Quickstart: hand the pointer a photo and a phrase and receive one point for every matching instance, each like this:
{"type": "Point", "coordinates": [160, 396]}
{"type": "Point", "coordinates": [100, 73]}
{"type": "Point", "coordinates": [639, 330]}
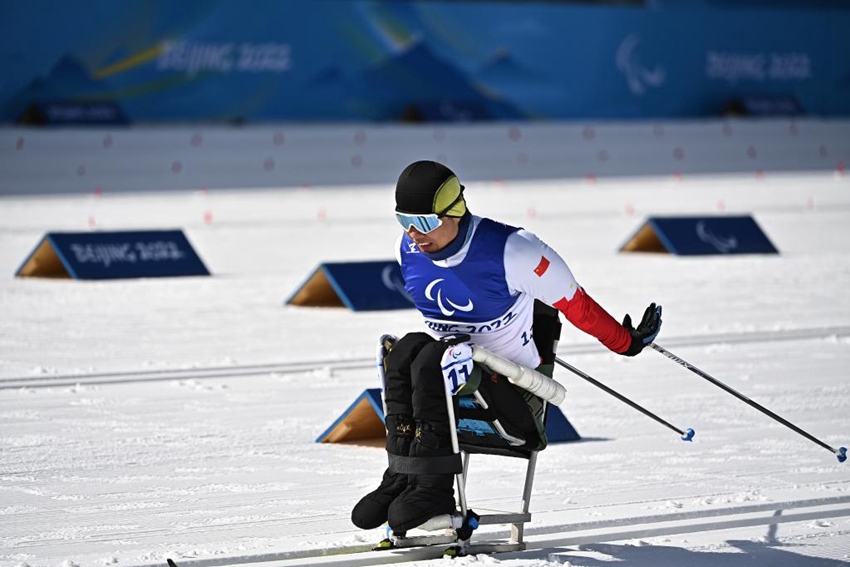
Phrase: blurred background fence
{"type": "Point", "coordinates": [197, 158]}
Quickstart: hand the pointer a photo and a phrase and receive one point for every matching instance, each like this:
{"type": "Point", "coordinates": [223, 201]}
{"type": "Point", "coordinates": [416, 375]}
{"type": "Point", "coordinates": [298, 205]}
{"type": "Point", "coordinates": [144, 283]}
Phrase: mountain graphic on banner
{"type": "Point", "coordinates": [430, 83]}
{"type": "Point", "coordinates": [503, 67]}
{"type": "Point", "coordinates": [68, 80]}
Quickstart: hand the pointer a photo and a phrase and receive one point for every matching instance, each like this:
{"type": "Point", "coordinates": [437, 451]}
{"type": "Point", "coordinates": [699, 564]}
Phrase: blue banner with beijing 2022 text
{"type": "Point", "coordinates": [160, 61]}
{"type": "Point", "coordinates": [126, 254]}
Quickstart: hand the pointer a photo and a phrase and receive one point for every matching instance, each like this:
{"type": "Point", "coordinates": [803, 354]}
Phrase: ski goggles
{"type": "Point", "coordinates": [429, 222]}
{"type": "Point", "coordinates": [422, 223]}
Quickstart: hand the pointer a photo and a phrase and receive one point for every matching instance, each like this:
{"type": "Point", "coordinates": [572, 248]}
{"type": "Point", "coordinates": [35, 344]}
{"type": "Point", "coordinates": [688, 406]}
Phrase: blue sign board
{"type": "Point", "coordinates": [113, 255]}
{"type": "Point", "coordinates": [695, 236]}
{"type": "Point", "coordinates": [362, 421]}
{"type": "Point", "coordinates": [361, 286]}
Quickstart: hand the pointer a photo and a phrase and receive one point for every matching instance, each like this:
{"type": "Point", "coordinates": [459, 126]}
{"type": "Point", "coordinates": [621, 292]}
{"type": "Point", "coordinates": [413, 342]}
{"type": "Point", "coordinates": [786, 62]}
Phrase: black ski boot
{"type": "Point", "coordinates": [426, 495]}
{"type": "Point", "coordinates": [371, 511]}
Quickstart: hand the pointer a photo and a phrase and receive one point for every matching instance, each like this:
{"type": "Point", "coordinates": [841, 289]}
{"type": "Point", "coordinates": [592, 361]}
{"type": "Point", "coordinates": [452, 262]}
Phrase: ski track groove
{"type": "Point", "coordinates": [122, 377]}
{"type": "Point", "coordinates": [580, 533]}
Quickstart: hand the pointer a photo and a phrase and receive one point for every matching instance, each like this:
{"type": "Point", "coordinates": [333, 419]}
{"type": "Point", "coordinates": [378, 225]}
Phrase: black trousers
{"type": "Point", "coordinates": [414, 381]}
{"type": "Point", "coordinates": [415, 388]}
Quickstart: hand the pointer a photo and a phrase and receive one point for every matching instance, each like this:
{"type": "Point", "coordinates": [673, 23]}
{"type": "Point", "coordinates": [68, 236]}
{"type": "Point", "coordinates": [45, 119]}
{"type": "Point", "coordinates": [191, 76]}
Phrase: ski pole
{"type": "Point", "coordinates": [840, 453]}
{"type": "Point", "coordinates": [687, 435]}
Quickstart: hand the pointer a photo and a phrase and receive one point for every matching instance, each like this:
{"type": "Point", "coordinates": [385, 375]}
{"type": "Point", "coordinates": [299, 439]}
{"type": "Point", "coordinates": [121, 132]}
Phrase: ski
{"type": "Point", "coordinates": [457, 532]}
{"type": "Point", "coordinates": [556, 537]}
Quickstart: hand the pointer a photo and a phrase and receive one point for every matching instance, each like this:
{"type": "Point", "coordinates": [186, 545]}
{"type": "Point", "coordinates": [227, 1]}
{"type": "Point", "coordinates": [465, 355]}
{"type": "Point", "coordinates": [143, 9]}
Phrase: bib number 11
{"type": "Point", "coordinates": [457, 366]}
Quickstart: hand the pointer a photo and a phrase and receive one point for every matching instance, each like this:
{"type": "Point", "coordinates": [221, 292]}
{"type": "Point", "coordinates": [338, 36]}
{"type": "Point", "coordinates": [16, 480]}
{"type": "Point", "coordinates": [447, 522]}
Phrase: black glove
{"type": "Point", "coordinates": [646, 331]}
{"type": "Point", "coordinates": [451, 340]}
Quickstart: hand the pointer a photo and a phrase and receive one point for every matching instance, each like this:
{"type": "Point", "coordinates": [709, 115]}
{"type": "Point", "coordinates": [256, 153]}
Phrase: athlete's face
{"type": "Point", "coordinates": [438, 238]}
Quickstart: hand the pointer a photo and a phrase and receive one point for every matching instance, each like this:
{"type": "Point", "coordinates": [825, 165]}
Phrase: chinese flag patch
{"type": "Point", "coordinates": [542, 266]}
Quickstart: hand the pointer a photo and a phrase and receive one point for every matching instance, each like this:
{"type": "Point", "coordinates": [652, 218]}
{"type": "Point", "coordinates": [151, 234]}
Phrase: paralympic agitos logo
{"type": "Point", "coordinates": [639, 77]}
{"type": "Point", "coordinates": [446, 305]}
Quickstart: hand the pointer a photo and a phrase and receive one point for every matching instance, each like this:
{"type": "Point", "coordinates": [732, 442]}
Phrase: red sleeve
{"type": "Point", "coordinates": [587, 315]}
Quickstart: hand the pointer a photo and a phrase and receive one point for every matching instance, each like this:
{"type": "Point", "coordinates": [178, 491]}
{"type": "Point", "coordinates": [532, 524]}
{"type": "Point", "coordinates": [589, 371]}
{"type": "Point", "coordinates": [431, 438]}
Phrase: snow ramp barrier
{"type": "Point", "coordinates": [112, 255]}
{"type": "Point", "coordinates": [361, 286]}
{"type": "Point", "coordinates": [699, 236]}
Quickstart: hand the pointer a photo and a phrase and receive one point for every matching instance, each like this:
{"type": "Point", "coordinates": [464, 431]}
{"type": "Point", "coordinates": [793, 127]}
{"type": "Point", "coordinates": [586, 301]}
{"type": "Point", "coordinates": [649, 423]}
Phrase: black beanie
{"type": "Point", "coordinates": [426, 187]}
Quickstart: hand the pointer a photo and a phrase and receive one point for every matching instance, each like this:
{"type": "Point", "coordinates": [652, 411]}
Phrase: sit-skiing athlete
{"type": "Point", "coordinates": [476, 276]}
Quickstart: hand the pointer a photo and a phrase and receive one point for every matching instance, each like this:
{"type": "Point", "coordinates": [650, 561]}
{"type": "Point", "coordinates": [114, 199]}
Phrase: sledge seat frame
{"type": "Point", "coordinates": [547, 328]}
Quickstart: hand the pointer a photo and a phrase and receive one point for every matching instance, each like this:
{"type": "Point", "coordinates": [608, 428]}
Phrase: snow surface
{"type": "Point", "coordinates": [137, 421]}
